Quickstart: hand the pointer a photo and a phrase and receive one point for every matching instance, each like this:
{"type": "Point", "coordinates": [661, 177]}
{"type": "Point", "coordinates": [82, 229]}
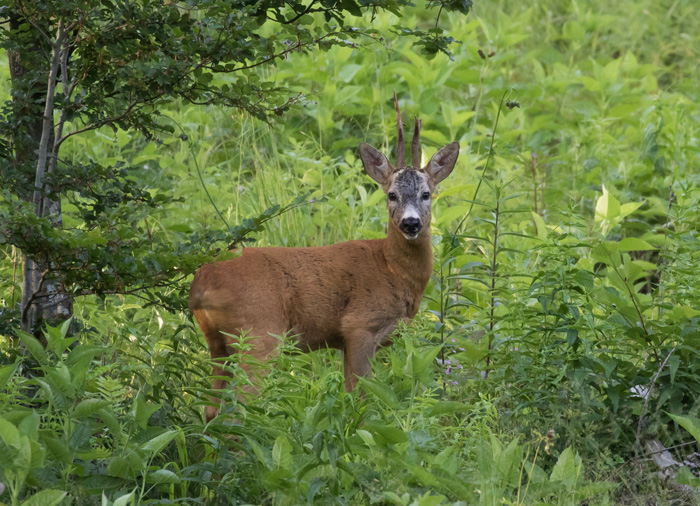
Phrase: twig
{"type": "Point", "coordinates": [661, 258]}
{"type": "Point", "coordinates": [494, 264]}
{"type": "Point", "coordinates": [437, 20]}
{"type": "Point", "coordinates": [185, 137]}
{"type": "Point", "coordinates": [635, 303]}
{"type": "Point", "coordinates": [533, 167]}
{"type": "Point", "coordinates": [646, 402]}
{"type": "Point", "coordinates": [295, 47]}
{"type": "Point", "coordinates": [107, 121]}
{"type": "Point", "coordinates": [14, 276]}
{"type": "Point", "coordinates": [488, 158]}
{"type": "Point", "coordinates": [289, 21]}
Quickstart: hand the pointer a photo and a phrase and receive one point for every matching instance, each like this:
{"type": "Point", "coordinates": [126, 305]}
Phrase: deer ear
{"type": "Point", "coordinates": [376, 164]}
{"type": "Point", "coordinates": [441, 164]}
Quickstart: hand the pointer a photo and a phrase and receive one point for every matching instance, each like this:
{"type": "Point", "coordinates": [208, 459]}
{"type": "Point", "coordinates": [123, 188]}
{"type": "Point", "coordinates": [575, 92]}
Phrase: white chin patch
{"type": "Point", "coordinates": [411, 237]}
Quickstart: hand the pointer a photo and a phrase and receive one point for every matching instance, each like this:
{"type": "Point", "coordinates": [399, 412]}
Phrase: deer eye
{"type": "Point", "coordinates": [392, 196]}
{"type": "Point", "coordinates": [426, 195]}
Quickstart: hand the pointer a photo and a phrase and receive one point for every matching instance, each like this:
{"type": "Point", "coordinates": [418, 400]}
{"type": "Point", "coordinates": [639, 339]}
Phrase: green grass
{"type": "Point", "coordinates": [608, 98]}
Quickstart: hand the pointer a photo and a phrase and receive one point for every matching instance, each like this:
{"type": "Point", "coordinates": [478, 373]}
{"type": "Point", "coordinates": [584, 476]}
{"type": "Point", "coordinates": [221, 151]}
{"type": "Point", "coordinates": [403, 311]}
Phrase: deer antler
{"type": "Point", "coordinates": [415, 146]}
{"type": "Point", "coordinates": [401, 146]}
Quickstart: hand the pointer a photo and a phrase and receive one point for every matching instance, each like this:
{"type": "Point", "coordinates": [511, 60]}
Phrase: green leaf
{"type": "Point", "coordinates": [157, 444]}
{"type": "Point", "coordinates": [629, 208]}
{"type": "Point", "coordinates": [380, 391]}
{"type": "Point", "coordinates": [607, 211]}
{"type": "Point", "coordinates": [689, 423]}
{"type": "Point", "coordinates": [566, 469]}
{"type": "Point", "coordinates": [634, 244]}
{"type": "Point", "coordinates": [9, 434]}
{"type": "Point", "coordinates": [282, 452]}
{"type": "Point", "coordinates": [366, 437]}
{"type": "Point", "coordinates": [33, 345]}
{"type": "Point", "coordinates": [125, 499]}
{"type": "Point", "coordinates": [30, 425]}
{"type": "Point", "coordinates": [260, 453]}
{"type": "Point", "coordinates": [6, 373]}
{"type": "Point", "coordinates": [163, 476]}
{"type": "Point", "coordinates": [88, 407]}
{"type": "Point", "coordinates": [447, 407]}
{"type": "Point", "coordinates": [424, 359]}
{"type": "Point", "coordinates": [540, 226]}
{"type": "Point", "coordinates": [143, 410]}
{"type": "Point", "coordinates": [58, 448]}
{"type": "Point", "coordinates": [390, 434]}
{"type": "Point", "coordinates": [47, 497]}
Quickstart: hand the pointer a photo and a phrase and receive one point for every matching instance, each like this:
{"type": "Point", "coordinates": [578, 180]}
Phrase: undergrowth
{"type": "Point", "coordinates": [559, 334]}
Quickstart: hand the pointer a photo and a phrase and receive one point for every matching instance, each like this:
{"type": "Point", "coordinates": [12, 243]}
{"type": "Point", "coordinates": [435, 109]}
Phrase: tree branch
{"type": "Point", "coordinates": [106, 121]}
{"type": "Point", "coordinates": [290, 21]}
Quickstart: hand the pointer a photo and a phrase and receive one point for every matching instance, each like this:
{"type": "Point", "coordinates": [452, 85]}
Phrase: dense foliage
{"type": "Point", "coordinates": [558, 336]}
{"type": "Point", "coordinates": [76, 67]}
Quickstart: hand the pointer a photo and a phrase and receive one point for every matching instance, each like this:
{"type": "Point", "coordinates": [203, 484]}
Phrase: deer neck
{"type": "Point", "coordinates": [412, 260]}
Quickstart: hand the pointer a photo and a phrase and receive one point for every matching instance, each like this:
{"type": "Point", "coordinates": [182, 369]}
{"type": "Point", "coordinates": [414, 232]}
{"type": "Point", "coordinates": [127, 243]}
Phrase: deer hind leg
{"type": "Point", "coordinates": [219, 349]}
{"type": "Point", "coordinates": [263, 346]}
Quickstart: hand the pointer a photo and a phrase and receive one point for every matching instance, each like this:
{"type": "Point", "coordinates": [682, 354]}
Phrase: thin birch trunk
{"type": "Point", "coordinates": [42, 295]}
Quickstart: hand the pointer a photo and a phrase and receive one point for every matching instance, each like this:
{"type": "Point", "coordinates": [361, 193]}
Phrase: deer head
{"type": "Point", "coordinates": [409, 189]}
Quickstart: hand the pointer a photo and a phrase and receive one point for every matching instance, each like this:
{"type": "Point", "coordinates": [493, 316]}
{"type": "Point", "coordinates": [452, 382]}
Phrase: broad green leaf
{"type": "Point", "coordinates": [6, 373]}
{"type": "Point", "coordinates": [260, 453]}
{"type": "Point", "coordinates": [111, 423]}
{"type": "Point", "coordinates": [380, 391]}
{"type": "Point", "coordinates": [60, 379]}
{"type": "Point", "coordinates": [163, 476]}
{"type": "Point", "coordinates": [33, 345]}
{"type": "Point", "coordinates": [366, 437]}
{"type": "Point", "coordinates": [125, 499]}
{"type": "Point", "coordinates": [390, 434]}
{"type": "Point", "coordinates": [282, 452]}
{"type": "Point", "coordinates": [450, 214]}
{"type": "Point", "coordinates": [540, 226]}
{"type": "Point", "coordinates": [58, 448]}
{"type": "Point", "coordinates": [88, 407]}
{"type": "Point", "coordinates": [47, 497]}
{"type": "Point", "coordinates": [30, 425]}
{"type": "Point", "coordinates": [9, 433]}
{"type": "Point", "coordinates": [157, 444]}
{"type": "Point", "coordinates": [424, 359]}
{"type": "Point", "coordinates": [689, 423]}
{"type": "Point", "coordinates": [143, 410]}
{"type": "Point", "coordinates": [607, 211]}
{"type": "Point", "coordinates": [566, 469]}
{"type": "Point", "coordinates": [634, 244]}
{"type": "Point", "coordinates": [629, 208]}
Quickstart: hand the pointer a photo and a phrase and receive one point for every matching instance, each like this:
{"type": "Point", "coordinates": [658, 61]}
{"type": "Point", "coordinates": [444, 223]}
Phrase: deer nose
{"type": "Point", "coordinates": [410, 226]}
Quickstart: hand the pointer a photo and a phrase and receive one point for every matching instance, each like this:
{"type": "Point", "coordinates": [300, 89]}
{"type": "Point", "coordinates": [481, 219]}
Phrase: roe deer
{"type": "Point", "coordinates": [348, 295]}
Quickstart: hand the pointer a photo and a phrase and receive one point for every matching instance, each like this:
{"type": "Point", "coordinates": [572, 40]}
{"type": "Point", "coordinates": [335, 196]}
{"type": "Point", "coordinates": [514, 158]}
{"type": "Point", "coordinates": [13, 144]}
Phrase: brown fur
{"type": "Point", "coordinates": [348, 296]}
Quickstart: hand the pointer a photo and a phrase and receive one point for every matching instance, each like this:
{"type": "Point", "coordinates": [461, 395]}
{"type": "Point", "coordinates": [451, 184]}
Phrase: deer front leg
{"type": "Point", "coordinates": [360, 347]}
{"type": "Point", "coordinates": [356, 362]}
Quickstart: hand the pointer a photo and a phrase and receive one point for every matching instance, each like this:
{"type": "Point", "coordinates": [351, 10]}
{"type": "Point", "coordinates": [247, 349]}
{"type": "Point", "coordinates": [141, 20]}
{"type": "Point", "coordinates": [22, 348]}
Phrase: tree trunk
{"type": "Point", "coordinates": [43, 296]}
